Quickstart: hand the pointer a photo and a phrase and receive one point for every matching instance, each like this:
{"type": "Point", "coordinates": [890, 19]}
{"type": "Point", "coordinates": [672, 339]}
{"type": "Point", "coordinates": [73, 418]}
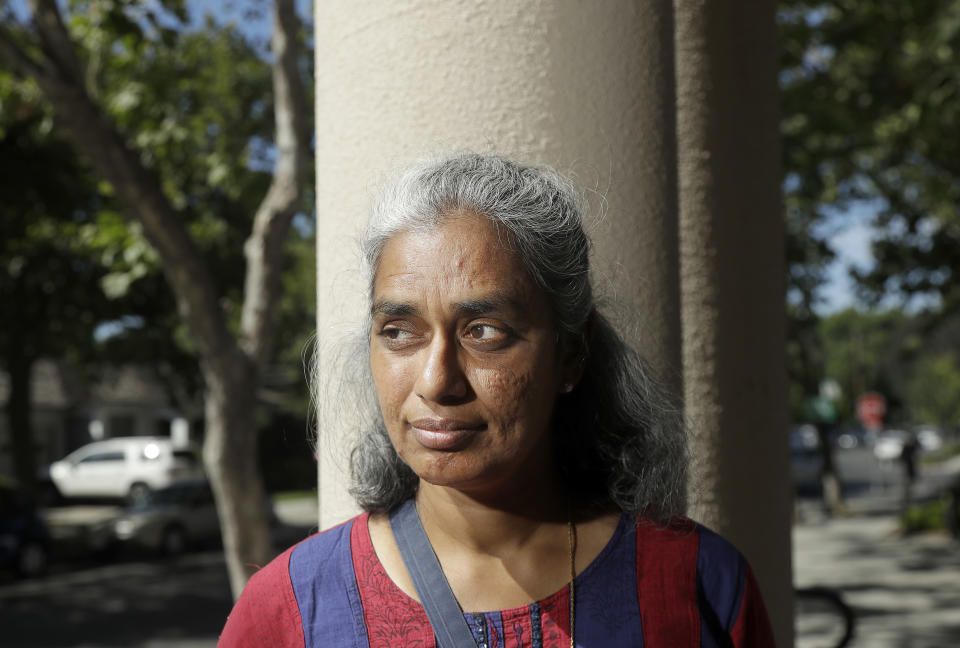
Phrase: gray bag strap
{"type": "Point", "coordinates": [434, 591]}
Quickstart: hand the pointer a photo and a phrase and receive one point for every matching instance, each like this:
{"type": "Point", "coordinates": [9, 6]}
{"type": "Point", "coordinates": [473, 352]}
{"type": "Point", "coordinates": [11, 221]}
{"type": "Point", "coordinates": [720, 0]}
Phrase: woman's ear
{"type": "Point", "coordinates": [575, 353]}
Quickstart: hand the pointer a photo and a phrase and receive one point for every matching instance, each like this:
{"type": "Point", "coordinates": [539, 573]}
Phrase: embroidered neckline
{"type": "Point", "coordinates": [509, 613]}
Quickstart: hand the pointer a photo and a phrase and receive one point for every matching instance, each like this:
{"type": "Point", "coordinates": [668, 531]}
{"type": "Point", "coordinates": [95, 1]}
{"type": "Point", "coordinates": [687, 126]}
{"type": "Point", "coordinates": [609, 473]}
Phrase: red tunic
{"type": "Point", "coordinates": [677, 586]}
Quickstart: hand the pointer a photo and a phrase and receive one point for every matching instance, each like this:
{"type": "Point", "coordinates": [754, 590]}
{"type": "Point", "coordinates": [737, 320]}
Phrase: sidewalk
{"type": "Point", "coordinates": [905, 591]}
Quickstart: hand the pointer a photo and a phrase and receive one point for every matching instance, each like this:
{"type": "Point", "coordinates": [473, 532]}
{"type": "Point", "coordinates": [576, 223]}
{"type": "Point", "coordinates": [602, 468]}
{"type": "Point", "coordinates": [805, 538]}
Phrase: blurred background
{"type": "Point", "coordinates": [108, 527]}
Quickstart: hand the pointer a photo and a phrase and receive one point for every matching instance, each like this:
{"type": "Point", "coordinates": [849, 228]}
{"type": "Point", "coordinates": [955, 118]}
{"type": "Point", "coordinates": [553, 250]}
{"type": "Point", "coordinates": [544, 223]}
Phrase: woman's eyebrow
{"type": "Point", "coordinates": [392, 308]}
{"type": "Point", "coordinates": [492, 304]}
{"type": "Point", "coordinates": [481, 306]}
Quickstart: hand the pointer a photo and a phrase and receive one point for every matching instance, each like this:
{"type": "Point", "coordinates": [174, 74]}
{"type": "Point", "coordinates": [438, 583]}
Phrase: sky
{"type": "Point", "coordinates": [851, 243]}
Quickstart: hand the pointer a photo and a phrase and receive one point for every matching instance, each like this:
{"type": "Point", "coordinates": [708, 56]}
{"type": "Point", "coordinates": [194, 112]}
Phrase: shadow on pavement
{"type": "Point", "coordinates": [130, 603]}
{"type": "Point", "coordinates": [903, 590]}
{"type": "Point", "coordinates": [184, 601]}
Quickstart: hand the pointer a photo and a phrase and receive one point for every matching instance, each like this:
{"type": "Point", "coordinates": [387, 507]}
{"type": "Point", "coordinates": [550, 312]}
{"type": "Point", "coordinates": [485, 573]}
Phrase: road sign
{"type": "Point", "coordinates": [871, 408]}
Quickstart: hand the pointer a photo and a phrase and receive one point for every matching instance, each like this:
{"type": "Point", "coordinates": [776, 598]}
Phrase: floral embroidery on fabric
{"type": "Point", "coordinates": [391, 621]}
{"type": "Point", "coordinates": [555, 620]}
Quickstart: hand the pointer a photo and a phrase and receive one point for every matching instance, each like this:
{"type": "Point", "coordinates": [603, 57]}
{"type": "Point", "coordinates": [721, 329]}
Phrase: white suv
{"type": "Point", "coordinates": [125, 467]}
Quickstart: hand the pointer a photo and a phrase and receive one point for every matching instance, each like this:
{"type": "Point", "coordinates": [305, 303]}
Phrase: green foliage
{"type": "Point", "coordinates": [871, 116]}
{"type": "Point", "coordinates": [68, 262]}
{"type": "Point", "coordinates": [296, 315]}
{"type": "Point", "coordinates": [948, 451]}
{"type": "Point", "coordinates": [931, 516]}
{"type": "Point", "coordinates": [935, 389]}
{"type": "Point", "coordinates": [871, 111]}
{"type": "Point", "coordinates": [196, 103]}
{"type": "Point", "coordinates": [49, 281]}
{"type": "Point", "coordinates": [863, 354]}
{"type": "Point", "coordinates": [909, 358]}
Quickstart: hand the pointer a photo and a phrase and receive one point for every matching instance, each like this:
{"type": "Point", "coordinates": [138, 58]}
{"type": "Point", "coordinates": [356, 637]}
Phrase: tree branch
{"type": "Point", "coordinates": [264, 247]}
{"type": "Point", "coordinates": [22, 64]}
{"type": "Point", "coordinates": [136, 186]}
{"type": "Point", "coordinates": [56, 41]}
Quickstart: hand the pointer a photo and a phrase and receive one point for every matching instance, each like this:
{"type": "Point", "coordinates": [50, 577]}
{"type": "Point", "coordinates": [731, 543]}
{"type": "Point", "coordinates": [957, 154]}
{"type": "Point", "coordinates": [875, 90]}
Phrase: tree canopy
{"type": "Point", "coordinates": [201, 140]}
{"type": "Point", "coordinates": [871, 96]}
{"type": "Point", "coordinates": [871, 120]}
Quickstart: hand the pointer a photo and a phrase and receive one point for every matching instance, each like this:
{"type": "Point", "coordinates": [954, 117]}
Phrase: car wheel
{"type": "Point", "coordinates": [32, 559]}
{"type": "Point", "coordinates": [174, 541]}
{"type": "Point", "coordinates": [138, 492]}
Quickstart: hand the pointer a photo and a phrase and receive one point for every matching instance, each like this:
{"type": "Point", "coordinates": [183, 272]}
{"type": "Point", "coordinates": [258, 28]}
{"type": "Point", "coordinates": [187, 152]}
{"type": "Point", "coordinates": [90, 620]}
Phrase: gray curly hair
{"type": "Point", "coordinates": [620, 438]}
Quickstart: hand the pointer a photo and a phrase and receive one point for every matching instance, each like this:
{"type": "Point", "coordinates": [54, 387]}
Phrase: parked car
{"type": "Point", "coordinates": [889, 445]}
{"type": "Point", "coordinates": [930, 439]}
{"type": "Point", "coordinates": [128, 467]}
{"type": "Point", "coordinates": [168, 521]}
{"type": "Point", "coordinates": [851, 436]}
{"type": "Point", "coordinates": [24, 539]}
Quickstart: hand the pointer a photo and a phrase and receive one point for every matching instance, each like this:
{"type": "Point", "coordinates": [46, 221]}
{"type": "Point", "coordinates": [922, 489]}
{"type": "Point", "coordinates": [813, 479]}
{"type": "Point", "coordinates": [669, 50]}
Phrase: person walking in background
{"type": "Point", "coordinates": [908, 457]}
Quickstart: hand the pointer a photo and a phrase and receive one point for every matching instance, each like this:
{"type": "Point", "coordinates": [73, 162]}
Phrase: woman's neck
{"type": "Point", "coordinates": [487, 523]}
{"type": "Point", "coordinates": [497, 552]}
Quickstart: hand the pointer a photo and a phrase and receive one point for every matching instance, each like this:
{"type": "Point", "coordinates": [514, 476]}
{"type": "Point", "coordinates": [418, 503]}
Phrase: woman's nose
{"type": "Point", "coordinates": [441, 379]}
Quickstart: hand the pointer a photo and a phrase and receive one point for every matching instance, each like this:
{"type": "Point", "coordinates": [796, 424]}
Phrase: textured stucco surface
{"type": "Point", "coordinates": [732, 274]}
{"type": "Point", "coordinates": [584, 87]}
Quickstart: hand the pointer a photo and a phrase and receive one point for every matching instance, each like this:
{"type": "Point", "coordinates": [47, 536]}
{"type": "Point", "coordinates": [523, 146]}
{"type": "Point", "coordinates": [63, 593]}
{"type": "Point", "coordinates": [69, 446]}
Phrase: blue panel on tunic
{"type": "Point", "coordinates": [607, 608]}
{"type": "Point", "coordinates": [721, 577]}
{"type": "Point", "coordinates": [321, 570]}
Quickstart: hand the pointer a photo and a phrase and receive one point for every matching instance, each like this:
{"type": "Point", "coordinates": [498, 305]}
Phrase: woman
{"type": "Point", "coordinates": [544, 463]}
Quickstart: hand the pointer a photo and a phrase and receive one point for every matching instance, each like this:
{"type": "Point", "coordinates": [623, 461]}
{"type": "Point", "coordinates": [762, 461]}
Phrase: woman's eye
{"type": "Point", "coordinates": [486, 333]}
{"type": "Point", "coordinates": [395, 333]}
{"type": "Point", "coordinates": [482, 332]}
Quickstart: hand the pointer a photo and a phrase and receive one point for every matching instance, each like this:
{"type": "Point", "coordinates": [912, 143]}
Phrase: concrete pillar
{"type": "Point", "coordinates": [732, 278]}
{"type": "Point", "coordinates": [585, 87]}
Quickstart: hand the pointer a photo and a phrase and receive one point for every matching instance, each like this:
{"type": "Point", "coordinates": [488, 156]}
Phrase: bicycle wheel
{"type": "Point", "coordinates": [823, 620]}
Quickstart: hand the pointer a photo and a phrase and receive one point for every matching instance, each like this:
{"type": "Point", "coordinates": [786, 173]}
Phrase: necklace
{"type": "Point", "coordinates": [572, 543]}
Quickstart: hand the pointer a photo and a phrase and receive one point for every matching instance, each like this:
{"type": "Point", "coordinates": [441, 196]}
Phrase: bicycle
{"type": "Point", "coordinates": [823, 619]}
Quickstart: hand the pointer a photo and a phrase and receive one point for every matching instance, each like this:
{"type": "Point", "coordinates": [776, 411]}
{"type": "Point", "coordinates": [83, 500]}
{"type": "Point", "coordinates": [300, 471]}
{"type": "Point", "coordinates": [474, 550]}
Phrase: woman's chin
{"type": "Point", "coordinates": [445, 471]}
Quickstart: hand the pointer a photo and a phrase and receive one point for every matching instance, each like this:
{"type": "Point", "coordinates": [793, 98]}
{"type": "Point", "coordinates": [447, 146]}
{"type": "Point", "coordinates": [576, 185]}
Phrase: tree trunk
{"type": "Point", "coordinates": [19, 368]}
{"type": "Point", "coordinates": [732, 281]}
{"type": "Point", "coordinates": [231, 365]}
{"type": "Point", "coordinates": [230, 454]}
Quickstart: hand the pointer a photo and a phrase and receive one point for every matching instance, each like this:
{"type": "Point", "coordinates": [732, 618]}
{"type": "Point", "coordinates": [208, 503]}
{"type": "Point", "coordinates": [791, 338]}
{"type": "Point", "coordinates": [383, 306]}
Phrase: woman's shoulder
{"type": "Point", "coordinates": [681, 530]}
{"type": "Point", "coordinates": [323, 555]}
{"type": "Point", "coordinates": [278, 594]}
{"type": "Point", "coordinates": [713, 572]}
{"type": "Point", "coordinates": [685, 544]}
{"type": "Point", "coordinates": [266, 614]}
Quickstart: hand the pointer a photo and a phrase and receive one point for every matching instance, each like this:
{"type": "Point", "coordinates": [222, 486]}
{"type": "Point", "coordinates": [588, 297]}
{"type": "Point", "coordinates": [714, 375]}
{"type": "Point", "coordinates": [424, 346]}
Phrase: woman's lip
{"type": "Point", "coordinates": [444, 434]}
{"type": "Point", "coordinates": [445, 425]}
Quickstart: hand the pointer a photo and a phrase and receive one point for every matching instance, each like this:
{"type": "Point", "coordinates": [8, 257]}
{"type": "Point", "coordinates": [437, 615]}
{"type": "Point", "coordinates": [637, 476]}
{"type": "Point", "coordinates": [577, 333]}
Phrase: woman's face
{"type": "Point", "coordinates": [464, 357]}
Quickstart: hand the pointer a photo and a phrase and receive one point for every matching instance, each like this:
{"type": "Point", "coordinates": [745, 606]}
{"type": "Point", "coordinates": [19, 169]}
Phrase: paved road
{"type": "Point", "coordinates": [133, 602]}
{"type": "Point", "coordinates": [868, 482]}
{"type": "Point", "coordinates": [905, 591]}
